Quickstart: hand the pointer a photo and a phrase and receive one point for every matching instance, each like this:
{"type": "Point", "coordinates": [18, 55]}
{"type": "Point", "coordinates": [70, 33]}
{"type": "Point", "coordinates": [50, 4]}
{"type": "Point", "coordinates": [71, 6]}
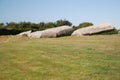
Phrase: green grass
{"type": "Point", "coordinates": [65, 58]}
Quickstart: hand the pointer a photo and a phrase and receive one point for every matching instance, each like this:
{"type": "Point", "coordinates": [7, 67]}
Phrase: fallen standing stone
{"type": "Point", "coordinates": [93, 29]}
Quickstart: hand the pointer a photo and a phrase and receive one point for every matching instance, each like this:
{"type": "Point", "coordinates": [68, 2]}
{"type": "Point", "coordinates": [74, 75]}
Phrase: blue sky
{"type": "Point", "coordinates": [76, 11]}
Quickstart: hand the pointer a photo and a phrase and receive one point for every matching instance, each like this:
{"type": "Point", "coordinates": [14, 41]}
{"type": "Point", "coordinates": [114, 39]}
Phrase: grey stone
{"type": "Point", "coordinates": [53, 32]}
{"type": "Point", "coordinates": [27, 33]}
{"type": "Point", "coordinates": [93, 29]}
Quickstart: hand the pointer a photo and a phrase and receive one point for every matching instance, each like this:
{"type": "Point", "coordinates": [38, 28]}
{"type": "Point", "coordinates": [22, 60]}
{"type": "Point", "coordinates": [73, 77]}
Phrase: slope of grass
{"type": "Point", "coordinates": [65, 58]}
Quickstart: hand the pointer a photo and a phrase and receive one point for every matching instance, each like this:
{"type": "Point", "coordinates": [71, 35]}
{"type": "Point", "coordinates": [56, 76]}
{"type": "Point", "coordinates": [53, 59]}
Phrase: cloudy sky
{"type": "Point", "coordinates": [76, 11]}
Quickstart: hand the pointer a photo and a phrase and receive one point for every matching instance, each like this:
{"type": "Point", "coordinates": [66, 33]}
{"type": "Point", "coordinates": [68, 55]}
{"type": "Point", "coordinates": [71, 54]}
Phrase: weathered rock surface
{"type": "Point", "coordinates": [36, 34]}
{"type": "Point", "coordinates": [27, 33]}
{"type": "Point", "coordinates": [53, 32]}
{"type": "Point", "coordinates": [93, 29]}
{"type": "Point", "coordinates": [119, 31]}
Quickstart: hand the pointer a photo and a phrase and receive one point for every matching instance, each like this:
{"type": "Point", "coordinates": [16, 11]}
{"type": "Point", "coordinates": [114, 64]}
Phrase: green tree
{"type": "Point", "coordinates": [34, 26]}
{"type": "Point", "coordinates": [63, 22]}
{"type": "Point", "coordinates": [41, 25]}
{"type": "Point", "coordinates": [2, 25]}
{"type": "Point", "coordinates": [84, 24]}
{"type": "Point", "coordinates": [49, 25]}
{"type": "Point", "coordinates": [25, 26]}
{"type": "Point", "coordinates": [12, 26]}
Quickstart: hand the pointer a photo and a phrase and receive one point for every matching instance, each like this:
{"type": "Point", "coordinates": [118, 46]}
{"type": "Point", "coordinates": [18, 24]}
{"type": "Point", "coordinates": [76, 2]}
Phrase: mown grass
{"type": "Point", "coordinates": [65, 58]}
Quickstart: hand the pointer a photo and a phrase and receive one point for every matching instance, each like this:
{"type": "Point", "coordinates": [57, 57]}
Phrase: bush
{"type": "Point", "coordinates": [63, 22]}
{"type": "Point", "coordinates": [9, 32]}
{"type": "Point", "coordinates": [84, 24]}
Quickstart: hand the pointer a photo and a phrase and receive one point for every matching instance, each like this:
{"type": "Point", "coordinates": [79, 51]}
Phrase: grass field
{"type": "Point", "coordinates": [65, 58]}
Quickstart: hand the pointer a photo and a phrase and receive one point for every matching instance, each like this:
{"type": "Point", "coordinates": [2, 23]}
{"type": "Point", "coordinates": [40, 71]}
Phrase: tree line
{"type": "Point", "coordinates": [13, 28]}
{"type": "Point", "coordinates": [34, 26]}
